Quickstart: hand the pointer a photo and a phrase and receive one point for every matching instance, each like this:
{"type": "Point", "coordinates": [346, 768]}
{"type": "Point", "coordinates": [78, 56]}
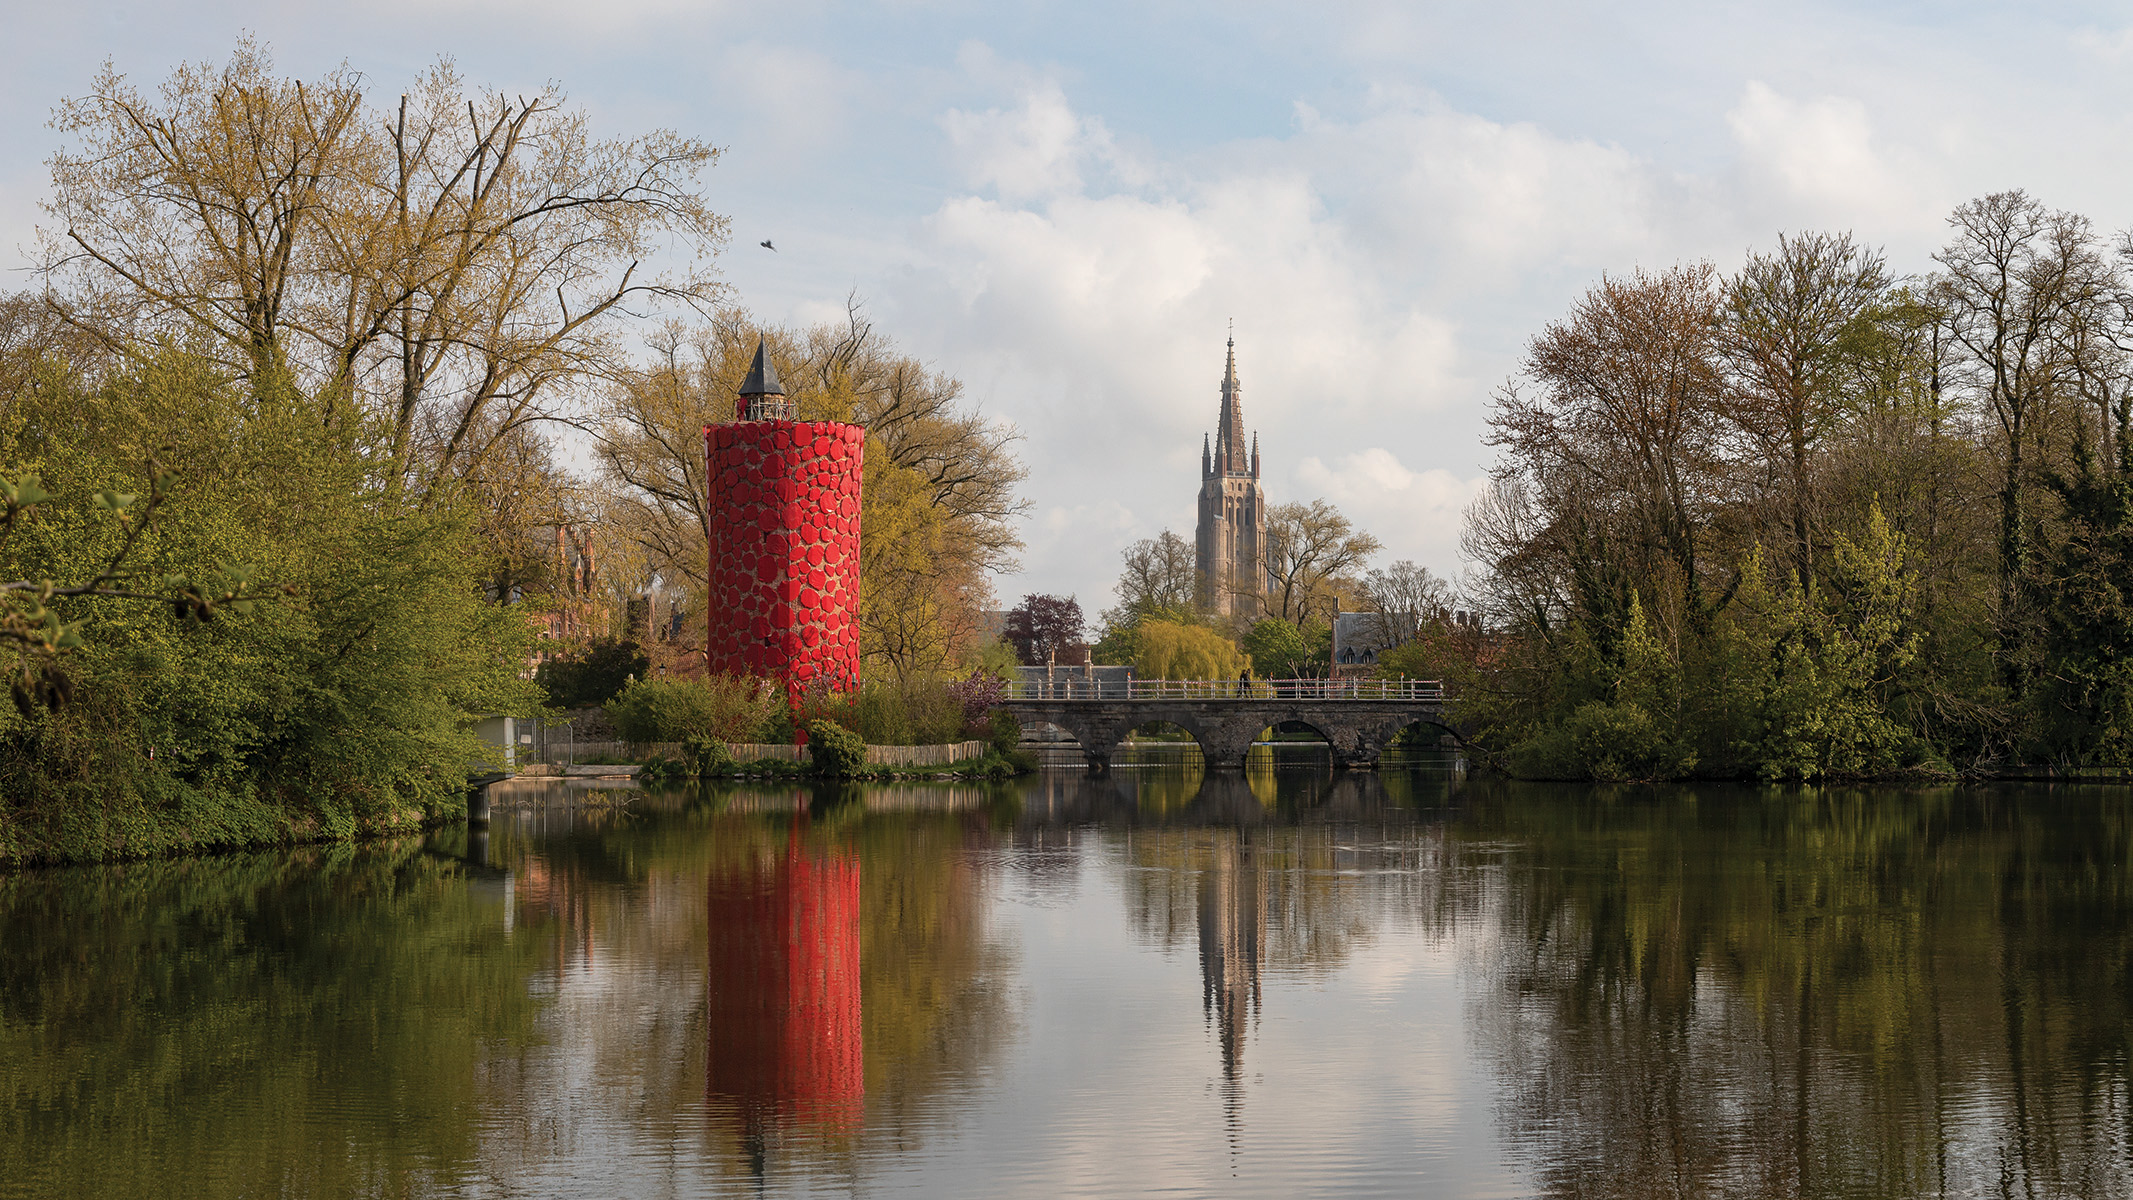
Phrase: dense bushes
{"type": "Point", "coordinates": [835, 749]}
{"type": "Point", "coordinates": [917, 712]}
{"type": "Point", "coordinates": [341, 703]}
{"type": "Point", "coordinates": [722, 707]}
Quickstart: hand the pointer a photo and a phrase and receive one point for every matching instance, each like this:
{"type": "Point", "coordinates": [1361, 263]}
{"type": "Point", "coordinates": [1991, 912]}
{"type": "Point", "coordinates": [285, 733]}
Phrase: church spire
{"type": "Point", "coordinates": [1230, 458]}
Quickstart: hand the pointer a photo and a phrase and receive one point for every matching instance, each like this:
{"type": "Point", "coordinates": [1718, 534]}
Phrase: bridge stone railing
{"type": "Point", "coordinates": [1357, 722]}
{"type": "Point", "coordinates": [1225, 689]}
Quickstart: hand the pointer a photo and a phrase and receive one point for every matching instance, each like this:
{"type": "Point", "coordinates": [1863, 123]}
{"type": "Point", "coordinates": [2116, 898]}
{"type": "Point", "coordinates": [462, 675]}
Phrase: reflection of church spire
{"type": "Point", "coordinates": [1232, 929]}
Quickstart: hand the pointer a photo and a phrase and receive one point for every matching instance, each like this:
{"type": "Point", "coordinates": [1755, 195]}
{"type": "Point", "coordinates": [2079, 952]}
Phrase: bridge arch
{"type": "Point", "coordinates": [1159, 725]}
{"type": "Point", "coordinates": [1356, 726]}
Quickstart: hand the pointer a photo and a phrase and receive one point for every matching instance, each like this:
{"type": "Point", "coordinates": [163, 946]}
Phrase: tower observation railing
{"type": "Point", "coordinates": [1227, 689]}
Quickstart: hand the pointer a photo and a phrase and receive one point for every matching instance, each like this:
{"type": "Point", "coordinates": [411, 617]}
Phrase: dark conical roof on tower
{"type": "Point", "coordinates": [762, 376]}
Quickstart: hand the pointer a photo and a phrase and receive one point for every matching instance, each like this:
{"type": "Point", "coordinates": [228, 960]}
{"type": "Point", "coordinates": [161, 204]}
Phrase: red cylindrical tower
{"type": "Point", "coordinates": [784, 541]}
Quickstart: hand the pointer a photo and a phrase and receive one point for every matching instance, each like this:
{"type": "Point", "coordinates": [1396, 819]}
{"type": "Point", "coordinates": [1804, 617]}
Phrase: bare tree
{"type": "Point", "coordinates": [1308, 548]}
{"type": "Point", "coordinates": [1160, 575]}
{"type": "Point", "coordinates": [1401, 599]}
{"type": "Point", "coordinates": [920, 417]}
{"type": "Point", "coordinates": [2018, 282]}
{"type": "Point", "coordinates": [1617, 448]}
{"type": "Point", "coordinates": [457, 267]}
{"type": "Point", "coordinates": [1783, 329]}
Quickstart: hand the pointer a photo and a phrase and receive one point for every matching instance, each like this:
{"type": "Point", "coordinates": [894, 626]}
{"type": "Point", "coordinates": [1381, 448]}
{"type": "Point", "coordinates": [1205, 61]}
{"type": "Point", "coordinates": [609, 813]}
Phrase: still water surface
{"type": "Point", "coordinates": [1159, 983]}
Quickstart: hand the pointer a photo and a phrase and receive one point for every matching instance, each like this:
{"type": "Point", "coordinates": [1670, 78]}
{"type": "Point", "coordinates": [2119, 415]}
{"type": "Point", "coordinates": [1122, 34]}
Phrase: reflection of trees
{"type": "Point", "coordinates": [1815, 993]}
{"type": "Point", "coordinates": [932, 1004]}
{"type": "Point", "coordinates": [1269, 874]}
{"type": "Point", "coordinates": [303, 1021]}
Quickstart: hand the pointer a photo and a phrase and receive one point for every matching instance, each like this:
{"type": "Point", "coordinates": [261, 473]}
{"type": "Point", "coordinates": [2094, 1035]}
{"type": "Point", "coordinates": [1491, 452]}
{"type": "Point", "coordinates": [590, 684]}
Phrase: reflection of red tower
{"type": "Point", "coordinates": [784, 540]}
{"type": "Point", "coordinates": [783, 988]}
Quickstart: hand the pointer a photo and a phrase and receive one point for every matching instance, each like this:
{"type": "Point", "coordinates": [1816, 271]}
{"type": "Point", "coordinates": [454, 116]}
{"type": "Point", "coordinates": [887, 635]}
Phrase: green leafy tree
{"type": "Point", "coordinates": [1278, 649]}
{"type": "Point", "coordinates": [344, 705]}
{"type": "Point", "coordinates": [592, 675]}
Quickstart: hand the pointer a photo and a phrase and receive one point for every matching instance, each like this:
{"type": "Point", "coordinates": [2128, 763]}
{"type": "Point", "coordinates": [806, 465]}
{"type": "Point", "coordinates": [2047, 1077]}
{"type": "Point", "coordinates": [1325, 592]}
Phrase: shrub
{"type": "Point", "coordinates": [705, 756]}
{"type": "Point", "coordinates": [659, 770]}
{"type": "Point", "coordinates": [927, 712]}
{"type": "Point", "coordinates": [1005, 732]}
{"type": "Point", "coordinates": [835, 749]}
{"type": "Point", "coordinates": [723, 708]}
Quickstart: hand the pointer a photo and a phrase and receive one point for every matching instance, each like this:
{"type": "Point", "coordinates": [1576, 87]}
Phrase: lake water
{"type": "Point", "coordinates": [1288, 983]}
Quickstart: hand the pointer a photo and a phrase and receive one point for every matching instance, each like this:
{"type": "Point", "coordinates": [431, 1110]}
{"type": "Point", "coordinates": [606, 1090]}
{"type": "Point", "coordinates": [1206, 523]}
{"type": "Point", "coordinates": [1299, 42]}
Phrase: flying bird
{"type": "Point", "coordinates": [767, 246]}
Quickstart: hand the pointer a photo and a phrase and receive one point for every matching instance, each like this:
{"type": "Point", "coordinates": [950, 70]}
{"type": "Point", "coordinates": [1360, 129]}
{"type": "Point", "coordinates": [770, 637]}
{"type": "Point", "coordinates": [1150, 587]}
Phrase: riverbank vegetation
{"type": "Point", "coordinates": [286, 504]}
{"type": "Point", "coordinates": [1814, 520]}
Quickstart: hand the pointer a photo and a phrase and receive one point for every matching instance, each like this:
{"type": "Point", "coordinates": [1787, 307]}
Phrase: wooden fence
{"type": "Point", "coordinates": [877, 756]}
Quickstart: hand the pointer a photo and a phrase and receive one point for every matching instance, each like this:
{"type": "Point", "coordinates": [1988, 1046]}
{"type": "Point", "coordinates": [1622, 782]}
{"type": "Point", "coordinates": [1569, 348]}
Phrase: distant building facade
{"type": "Point", "coordinates": [1231, 536]}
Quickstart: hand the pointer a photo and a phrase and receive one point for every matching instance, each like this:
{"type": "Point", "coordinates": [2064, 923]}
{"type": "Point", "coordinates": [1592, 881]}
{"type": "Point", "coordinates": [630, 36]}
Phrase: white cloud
{"type": "Point", "coordinates": [1089, 303]}
{"type": "Point", "coordinates": [1821, 154]}
{"type": "Point", "coordinates": [1417, 514]}
{"type": "Point", "coordinates": [2110, 45]}
{"type": "Point", "coordinates": [1031, 151]}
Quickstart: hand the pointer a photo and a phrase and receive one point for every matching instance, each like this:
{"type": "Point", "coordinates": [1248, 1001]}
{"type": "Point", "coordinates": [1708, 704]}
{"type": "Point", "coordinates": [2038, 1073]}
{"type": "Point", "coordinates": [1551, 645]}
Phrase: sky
{"type": "Point", "coordinates": [1065, 205]}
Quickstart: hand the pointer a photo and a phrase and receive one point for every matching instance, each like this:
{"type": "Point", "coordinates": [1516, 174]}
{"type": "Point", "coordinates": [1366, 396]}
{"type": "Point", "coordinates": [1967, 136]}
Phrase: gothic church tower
{"type": "Point", "coordinates": [1232, 509]}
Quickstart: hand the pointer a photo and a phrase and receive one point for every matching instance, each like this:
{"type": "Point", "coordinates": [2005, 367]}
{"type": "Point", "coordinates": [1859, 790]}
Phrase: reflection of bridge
{"type": "Point", "coordinates": [1357, 717]}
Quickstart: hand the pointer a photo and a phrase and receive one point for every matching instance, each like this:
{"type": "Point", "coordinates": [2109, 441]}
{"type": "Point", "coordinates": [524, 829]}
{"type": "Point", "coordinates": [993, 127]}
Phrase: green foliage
{"type": "Point", "coordinates": [911, 712]}
{"type": "Point", "coordinates": [705, 756]}
{"type": "Point", "coordinates": [834, 749]}
{"type": "Point", "coordinates": [2084, 702]}
{"type": "Point", "coordinates": [724, 707]}
{"type": "Point", "coordinates": [1818, 670]}
{"type": "Point", "coordinates": [1635, 734]}
{"type": "Point", "coordinates": [1278, 649]}
{"type": "Point", "coordinates": [342, 705]}
{"type": "Point", "coordinates": [1169, 650]}
{"type": "Point", "coordinates": [1790, 681]}
{"type": "Point", "coordinates": [592, 675]}
{"type": "Point", "coordinates": [659, 769]}
{"type": "Point", "coordinates": [992, 656]}
{"type": "Point", "coordinates": [1004, 732]}
{"type": "Point", "coordinates": [1120, 644]}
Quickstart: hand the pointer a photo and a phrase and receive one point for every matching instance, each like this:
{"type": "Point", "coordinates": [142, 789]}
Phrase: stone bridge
{"type": "Point", "coordinates": [1357, 728]}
